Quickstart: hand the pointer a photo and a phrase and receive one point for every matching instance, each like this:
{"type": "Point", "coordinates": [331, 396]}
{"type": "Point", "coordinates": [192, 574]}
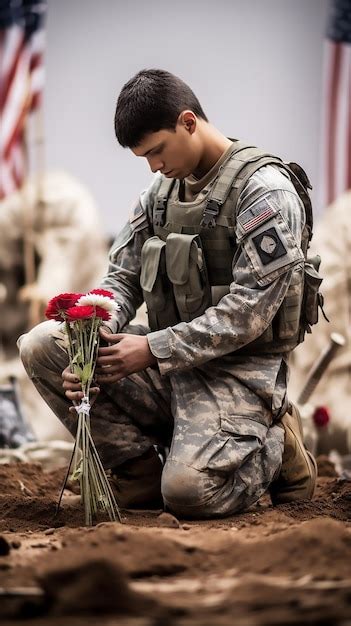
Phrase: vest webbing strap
{"type": "Point", "coordinates": [162, 199]}
{"type": "Point", "coordinates": [237, 172]}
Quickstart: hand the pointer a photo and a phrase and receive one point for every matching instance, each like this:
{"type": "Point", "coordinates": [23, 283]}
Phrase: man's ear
{"type": "Point", "coordinates": [188, 120]}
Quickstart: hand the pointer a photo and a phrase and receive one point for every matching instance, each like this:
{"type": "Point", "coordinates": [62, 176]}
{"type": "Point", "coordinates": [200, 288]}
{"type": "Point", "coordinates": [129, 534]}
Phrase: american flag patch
{"type": "Point", "coordinates": [255, 215]}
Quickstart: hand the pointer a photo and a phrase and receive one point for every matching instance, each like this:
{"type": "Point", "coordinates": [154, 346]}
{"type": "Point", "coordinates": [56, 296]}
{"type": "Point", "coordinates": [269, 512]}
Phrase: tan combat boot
{"type": "Point", "coordinates": [136, 483]}
{"type": "Point", "coordinates": [298, 474]}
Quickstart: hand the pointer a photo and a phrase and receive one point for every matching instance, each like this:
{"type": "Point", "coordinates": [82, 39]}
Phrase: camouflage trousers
{"type": "Point", "coordinates": [216, 419]}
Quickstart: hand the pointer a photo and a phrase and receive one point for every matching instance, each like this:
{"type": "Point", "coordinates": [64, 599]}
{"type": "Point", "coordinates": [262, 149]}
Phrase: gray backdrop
{"type": "Point", "coordinates": [256, 66]}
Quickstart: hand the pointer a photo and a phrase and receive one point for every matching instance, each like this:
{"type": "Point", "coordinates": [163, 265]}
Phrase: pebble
{"type": "Point", "coordinates": [49, 531]}
{"type": "Point", "coordinates": [168, 521]}
{"type": "Point", "coordinates": [186, 527]}
{"type": "Point", "coordinates": [16, 543]}
{"type": "Point", "coordinates": [4, 546]}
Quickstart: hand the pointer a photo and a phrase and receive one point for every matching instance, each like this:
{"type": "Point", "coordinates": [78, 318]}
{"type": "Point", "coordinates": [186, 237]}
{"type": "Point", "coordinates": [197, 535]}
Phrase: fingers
{"type": "Point", "coordinates": [78, 396]}
{"type": "Point", "coordinates": [69, 376]}
{"type": "Point", "coordinates": [110, 337]}
{"type": "Point", "coordinates": [74, 396]}
{"type": "Point", "coordinates": [111, 378]}
{"type": "Point", "coordinates": [73, 387]}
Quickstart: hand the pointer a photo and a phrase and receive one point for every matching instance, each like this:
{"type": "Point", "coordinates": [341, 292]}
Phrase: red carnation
{"type": "Point", "coordinates": [80, 313]}
{"type": "Point", "coordinates": [103, 292]}
{"type": "Point", "coordinates": [58, 305]}
{"type": "Point", "coordinates": [102, 313]}
{"type": "Point", "coordinates": [321, 416]}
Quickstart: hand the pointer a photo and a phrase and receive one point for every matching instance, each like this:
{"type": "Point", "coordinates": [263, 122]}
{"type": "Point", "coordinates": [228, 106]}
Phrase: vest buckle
{"type": "Point", "coordinates": [159, 215]}
{"type": "Point", "coordinates": [210, 214]}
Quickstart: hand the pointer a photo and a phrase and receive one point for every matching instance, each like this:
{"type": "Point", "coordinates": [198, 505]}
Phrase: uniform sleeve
{"type": "Point", "coordinates": [123, 275]}
{"type": "Point", "coordinates": [269, 247]}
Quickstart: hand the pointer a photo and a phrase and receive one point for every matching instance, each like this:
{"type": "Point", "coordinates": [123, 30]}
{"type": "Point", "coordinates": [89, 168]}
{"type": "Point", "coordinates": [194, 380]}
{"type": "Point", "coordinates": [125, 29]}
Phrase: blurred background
{"type": "Point", "coordinates": [256, 67]}
{"type": "Point", "coordinates": [274, 73]}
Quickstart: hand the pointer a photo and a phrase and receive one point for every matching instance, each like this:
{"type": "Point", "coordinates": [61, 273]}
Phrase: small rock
{"type": "Point", "coordinates": [168, 521]}
{"type": "Point", "coordinates": [190, 549]}
{"type": "Point", "coordinates": [38, 545]}
{"type": "Point", "coordinates": [186, 527]}
{"type": "Point", "coordinates": [53, 547]}
{"type": "Point", "coordinates": [4, 546]}
{"type": "Point", "coordinates": [121, 537]}
{"type": "Point", "coordinates": [16, 543]}
{"type": "Point", "coordinates": [49, 531]}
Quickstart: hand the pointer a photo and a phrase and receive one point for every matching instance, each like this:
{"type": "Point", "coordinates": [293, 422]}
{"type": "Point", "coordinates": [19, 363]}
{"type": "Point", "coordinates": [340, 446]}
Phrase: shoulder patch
{"type": "Point", "coordinates": [269, 245]}
{"type": "Point", "coordinates": [254, 216]}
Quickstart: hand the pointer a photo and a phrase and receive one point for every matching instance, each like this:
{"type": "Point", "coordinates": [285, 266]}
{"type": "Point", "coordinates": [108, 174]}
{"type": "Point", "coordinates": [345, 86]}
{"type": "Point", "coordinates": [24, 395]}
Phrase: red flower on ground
{"type": "Point", "coordinates": [321, 416]}
{"type": "Point", "coordinates": [58, 305]}
{"type": "Point", "coordinates": [103, 292]}
{"type": "Point", "coordinates": [102, 313]}
{"type": "Point", "coordinates": [80, 313]}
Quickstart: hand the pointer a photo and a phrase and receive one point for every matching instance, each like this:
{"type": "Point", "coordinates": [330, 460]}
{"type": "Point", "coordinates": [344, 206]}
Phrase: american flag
{"type": "Point", "coordinates": [21, 83]}
{"type": "Point", "coordinates": [336, 130]}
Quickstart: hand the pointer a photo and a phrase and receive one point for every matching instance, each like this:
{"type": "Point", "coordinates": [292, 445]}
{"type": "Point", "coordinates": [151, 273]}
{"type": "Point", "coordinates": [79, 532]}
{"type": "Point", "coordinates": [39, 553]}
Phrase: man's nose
{"type": "Point", "coordinates": [155, 164]}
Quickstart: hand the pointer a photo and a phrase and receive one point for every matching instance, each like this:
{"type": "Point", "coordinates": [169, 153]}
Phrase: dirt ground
{"type": "Point", "coordinates": [285, 565]}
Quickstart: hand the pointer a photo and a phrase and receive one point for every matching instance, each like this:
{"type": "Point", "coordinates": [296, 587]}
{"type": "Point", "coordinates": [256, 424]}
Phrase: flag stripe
{"type": "Point", "coordinates": [333, 99]}
{"type": "Point", "coordinates": [348, 144]}
{"type": "Point", "coordinates": [336, 124]}
{"type": "Point", "coordinates": [258, 219]}
{"type": "Point", "coordinates": [21, 84]}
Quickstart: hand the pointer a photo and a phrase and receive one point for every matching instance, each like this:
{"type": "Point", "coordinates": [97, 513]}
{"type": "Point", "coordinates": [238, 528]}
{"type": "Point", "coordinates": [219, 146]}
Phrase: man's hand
{"type": "Point", "coordinates": [73, 388]}
{"type": "Point", "coordinates": [125, 355]}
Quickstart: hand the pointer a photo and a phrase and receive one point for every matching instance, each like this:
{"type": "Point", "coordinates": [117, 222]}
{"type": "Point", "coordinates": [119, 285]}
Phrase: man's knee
{"type": "Point", "coordinates": [37, 345]}
{"type": "Point", "coordinates": [187, 491]}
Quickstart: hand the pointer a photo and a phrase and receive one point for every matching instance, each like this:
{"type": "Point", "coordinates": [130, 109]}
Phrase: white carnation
{"type": "Point", "coordinates": [94, 299]}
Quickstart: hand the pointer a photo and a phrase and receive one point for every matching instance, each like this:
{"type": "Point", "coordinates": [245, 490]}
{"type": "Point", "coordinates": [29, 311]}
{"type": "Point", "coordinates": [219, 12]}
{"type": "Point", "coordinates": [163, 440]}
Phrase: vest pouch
{"type": "Point", "coordinates": [312, 296]}
{"type": "Point", "coordinates": [157, 289]}
{"type": "Point", "coordinates": [186, 269]}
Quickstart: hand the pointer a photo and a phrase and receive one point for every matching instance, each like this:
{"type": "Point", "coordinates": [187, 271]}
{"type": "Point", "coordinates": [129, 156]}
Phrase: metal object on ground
{"type": "Point", "coordinates": [336, 341]}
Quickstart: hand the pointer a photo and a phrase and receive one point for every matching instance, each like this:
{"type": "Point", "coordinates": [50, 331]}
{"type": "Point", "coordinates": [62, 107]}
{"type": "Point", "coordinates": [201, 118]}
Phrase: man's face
{"type": "Point", "coordinates": [174, 153]}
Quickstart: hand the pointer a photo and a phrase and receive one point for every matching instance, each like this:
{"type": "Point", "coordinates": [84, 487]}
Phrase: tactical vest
{"type": "Point", "coordinates": [187, 264]}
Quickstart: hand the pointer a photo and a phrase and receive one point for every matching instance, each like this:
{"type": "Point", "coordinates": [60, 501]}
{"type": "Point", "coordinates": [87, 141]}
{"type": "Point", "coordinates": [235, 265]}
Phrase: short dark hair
{"type": "Point", "coordinates": [151, 101]}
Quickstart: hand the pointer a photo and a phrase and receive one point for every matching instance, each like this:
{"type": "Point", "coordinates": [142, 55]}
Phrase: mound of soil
{"type": "Point", "coordinates": [284, 565]}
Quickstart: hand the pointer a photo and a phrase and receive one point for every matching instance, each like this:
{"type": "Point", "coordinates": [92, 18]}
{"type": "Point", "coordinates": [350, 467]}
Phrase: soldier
{"type": "Point", "coordinates": [216, 248]}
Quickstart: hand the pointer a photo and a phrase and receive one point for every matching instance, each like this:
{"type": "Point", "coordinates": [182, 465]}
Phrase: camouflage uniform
{"type": "Point", "coordinates": [213, 405]}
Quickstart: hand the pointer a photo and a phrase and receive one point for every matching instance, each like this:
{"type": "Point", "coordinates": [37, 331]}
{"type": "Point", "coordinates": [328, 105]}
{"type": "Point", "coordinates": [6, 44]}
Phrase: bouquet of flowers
{"type": "Point", "coordinates": [82, 316]}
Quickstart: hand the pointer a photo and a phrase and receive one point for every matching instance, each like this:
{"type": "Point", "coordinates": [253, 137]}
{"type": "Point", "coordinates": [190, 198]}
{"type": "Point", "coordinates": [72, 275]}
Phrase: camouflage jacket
{"type": "Point", "coordinates": [240, 316]}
